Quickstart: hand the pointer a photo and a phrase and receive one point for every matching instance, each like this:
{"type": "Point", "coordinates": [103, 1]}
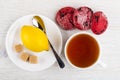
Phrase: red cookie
{"type": "Point", "coordinates": [64, 18]}
{"type": "Point", "coordinates": [82, 18]}
{"type": "Point", "coordinates": [99, 22]}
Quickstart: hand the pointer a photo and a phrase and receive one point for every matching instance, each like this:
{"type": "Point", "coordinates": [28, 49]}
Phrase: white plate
{"type": "Point", "coordinates": [46, 58]}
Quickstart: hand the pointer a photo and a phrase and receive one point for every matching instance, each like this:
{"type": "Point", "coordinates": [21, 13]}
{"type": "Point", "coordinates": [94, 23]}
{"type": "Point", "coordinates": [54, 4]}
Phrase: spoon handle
{"type": "Point", "coordinates": [59, 60]}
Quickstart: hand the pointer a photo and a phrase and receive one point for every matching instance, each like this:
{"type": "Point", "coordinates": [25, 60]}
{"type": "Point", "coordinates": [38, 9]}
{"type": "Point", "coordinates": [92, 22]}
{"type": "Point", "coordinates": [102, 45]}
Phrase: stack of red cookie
{"type": "Point", "coordinates": [82, 18]}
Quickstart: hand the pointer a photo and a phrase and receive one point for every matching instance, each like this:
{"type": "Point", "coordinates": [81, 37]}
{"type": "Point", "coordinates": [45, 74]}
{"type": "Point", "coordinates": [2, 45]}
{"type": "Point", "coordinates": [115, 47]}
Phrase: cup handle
{"type": "Point", "coordinates": [102, 64]}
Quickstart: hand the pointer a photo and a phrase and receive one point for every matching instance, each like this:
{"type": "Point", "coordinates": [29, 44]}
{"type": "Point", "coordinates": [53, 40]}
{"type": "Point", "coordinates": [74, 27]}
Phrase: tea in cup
{"type": "Point", "coordinates": [82, 50]}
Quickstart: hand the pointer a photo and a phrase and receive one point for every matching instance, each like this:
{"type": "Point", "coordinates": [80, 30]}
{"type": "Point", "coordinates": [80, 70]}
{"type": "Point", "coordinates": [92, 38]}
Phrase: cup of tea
{"type": "Point", "coordinates": [82, 50]}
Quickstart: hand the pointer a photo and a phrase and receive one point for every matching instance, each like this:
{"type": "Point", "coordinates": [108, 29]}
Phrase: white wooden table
{"type": "Point", "coordinates": [10, 10]}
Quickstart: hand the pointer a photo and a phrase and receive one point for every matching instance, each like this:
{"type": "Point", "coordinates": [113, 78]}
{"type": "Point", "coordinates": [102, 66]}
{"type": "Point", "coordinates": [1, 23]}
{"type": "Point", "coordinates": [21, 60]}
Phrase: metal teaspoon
{"type": "Point", "coordinates": [38, 22]}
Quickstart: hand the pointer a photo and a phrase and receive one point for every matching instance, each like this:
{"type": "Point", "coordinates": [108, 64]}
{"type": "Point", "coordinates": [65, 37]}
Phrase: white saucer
{"type": "Point", "coordinates": [46, 58]}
